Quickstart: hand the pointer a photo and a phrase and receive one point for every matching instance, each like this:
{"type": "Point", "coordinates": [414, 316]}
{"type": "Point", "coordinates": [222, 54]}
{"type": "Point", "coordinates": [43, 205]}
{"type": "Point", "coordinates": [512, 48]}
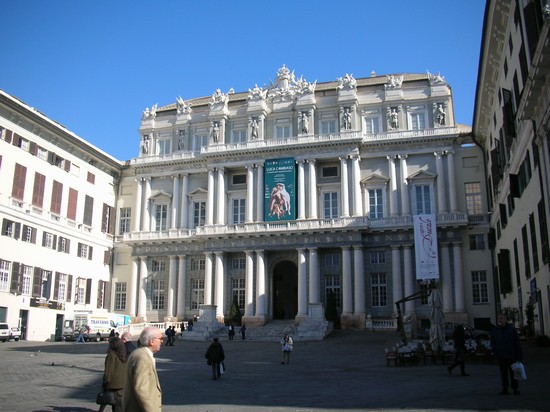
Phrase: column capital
{"type": "Point", "coordinates": [391, 158]}
{"type": "Point", "coordinates": [440, 154]}
{"type": "Point", "coordinates": [402, 156]}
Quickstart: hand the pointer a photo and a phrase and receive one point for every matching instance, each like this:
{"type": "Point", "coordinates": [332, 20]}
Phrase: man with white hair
{"type": "Point", "coordinates": [142, 392]}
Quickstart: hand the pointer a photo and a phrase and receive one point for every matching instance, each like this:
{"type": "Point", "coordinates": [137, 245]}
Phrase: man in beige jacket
{"type": "Point", "coordinates": [142, 391]}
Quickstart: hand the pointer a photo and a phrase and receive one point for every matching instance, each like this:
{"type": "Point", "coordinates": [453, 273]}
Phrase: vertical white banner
{"type": "Point", "coordinates": [425, 247]}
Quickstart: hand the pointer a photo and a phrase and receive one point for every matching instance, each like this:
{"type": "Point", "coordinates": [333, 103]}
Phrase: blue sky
{"type": "Point", "coordinates": [94, 66]}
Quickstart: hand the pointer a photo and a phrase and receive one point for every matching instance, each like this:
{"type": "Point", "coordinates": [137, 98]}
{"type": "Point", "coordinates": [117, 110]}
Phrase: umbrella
{"type": "Point", "coordinates": [437, 333]}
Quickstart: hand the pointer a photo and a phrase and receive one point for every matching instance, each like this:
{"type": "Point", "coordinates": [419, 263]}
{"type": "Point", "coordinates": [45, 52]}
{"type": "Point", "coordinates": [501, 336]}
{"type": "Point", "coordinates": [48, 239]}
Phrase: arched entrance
{"type": "Point", "coordinates": [285, 290]}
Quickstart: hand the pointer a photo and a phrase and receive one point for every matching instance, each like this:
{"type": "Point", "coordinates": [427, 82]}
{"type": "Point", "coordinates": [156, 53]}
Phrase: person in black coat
{"type": "Point", "coordinates": [215, 356]}
{"type": "Point", "coordinates": [459, 340]}
{"type": "Point", "coordinates": [507, 348]}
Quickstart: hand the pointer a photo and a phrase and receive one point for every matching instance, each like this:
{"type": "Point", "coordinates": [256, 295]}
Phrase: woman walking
{"type": "Point", "coordinates": [114, 375]}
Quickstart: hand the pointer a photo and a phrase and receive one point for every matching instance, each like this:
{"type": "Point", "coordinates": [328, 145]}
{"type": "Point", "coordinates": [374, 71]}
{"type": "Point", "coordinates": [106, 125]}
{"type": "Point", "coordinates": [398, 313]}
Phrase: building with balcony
{"type": "Point", "coordinates": [57, 211]}
{"type": "Point", "coordinates": [512, 124]}
{"type": "Point", "coordinates": [286, 196]}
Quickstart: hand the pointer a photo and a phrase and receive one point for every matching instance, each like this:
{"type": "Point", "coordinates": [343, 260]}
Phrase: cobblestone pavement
{"type": "Point", "coordinates": [346, 371]}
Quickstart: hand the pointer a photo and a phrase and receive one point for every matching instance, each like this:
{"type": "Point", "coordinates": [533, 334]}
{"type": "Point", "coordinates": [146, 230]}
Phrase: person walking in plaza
{"type": "Point", "coordinates": [114, 376]}
{"type": "Point", "coordinates": [243, 331]}
{"type": "Point", "coordinates": [215, 356]}
{"type": "Point", "coordinates": [507, 348]}
{"type": "Point", "coordinates": [286, 346]}
{"type": "Point", "coordinates": [459, 340]}
{"type": "Point", "coordinates": [231, 331]}
{"type": "Point", "coordinates": [142, 392]}
{"type": "Point", "coordinates": [80, 338]}
{"type": "Point", "coordinates": [128, 344]}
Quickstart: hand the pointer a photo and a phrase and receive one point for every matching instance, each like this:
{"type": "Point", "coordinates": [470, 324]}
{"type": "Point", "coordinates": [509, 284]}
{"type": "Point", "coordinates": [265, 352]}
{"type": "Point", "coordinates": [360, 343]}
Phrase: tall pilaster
{"type": "Point", "coordinates": [249, 194]}
{"type": "Point", "coordinates": [409, 277]}
{"type": "Point", "coordinates": [312, 189]}
{"type": "Point", "coordinates": [302, 283]}
{"type": "Point", "coordinates": [249, 284]}
{"type": "Point", "coordinates": [356, 186]}
{"type": "Point", "coordinates": [260, 193]}
{"type": "Point", "coordinates": [182, 283]}
{"type": "Point", "coordinates": [446, 279]}
{"type": "Point", "coordinates": [393, 186]}
{"type": "Point", "coordinates": [261, 299]}
{"type": "Point", "coordinates": [146, 208]}
{"type": "Point", "coordinates": [184, 217]}
{"type": "Point", "coordinates": [210, 199]}
{"type": "Point", "coordinates": [405, 203]}
{"type": "Point", "coordinates": [136, 222]}
{"type": "Point", "coordinates": [301, 191]}
{"type": "Point", "coordinates": [347, 285]}
{"type": "Point", "coordinates": [219, 284]}
{"type": "Point", "coordinates": [208, 278]}
{"type": "Point", "coordinates": [459, 278]}
{"type": "Point", "coordinates": [441, 206]}
{"type": "Point", "coordinates": [344, 187]}
{"type": "Point", "coordinates": [143, 274]}
{"type": "Point", "coordinates": [359, 280]}
{"type": "Point", "coordinates": [175, 202]}
{"type": "Point", "coordinates": [397, 283]}
{"type": "Point", "coordinates": [314, 295]}
{"type": "Point", "coordinates": [452, 180]}
{"type": "Point", "coordinates": [171, 286]}
{"type": "Point", "coordinates": [133, 287]}
{"type": "Point", "coordinates": [221, 200]}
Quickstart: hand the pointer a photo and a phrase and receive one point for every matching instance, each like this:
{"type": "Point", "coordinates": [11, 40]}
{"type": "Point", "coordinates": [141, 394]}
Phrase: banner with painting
{"type": "Point", "coordinates": [280, 189]}
{"type": "Point", "coordinates": [425, 247]}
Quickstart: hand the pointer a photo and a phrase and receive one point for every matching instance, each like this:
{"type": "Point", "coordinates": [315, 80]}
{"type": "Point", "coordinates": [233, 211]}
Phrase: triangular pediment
{"type": "Point", "coordinates": [160, 195]}
{"type": "Point", "coordinates": [422, 175]}
{"type": "Point", "coordinates": [375, 179]}
{"type": "Point", "coordinates": [198, 191]}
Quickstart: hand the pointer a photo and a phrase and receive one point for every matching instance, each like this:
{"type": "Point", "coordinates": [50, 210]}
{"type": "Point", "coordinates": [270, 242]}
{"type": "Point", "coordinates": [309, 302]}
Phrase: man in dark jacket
{"type": "Point", "coordinates": [215, 356]}
{"type": "Point", "coordinates": [507, 348]}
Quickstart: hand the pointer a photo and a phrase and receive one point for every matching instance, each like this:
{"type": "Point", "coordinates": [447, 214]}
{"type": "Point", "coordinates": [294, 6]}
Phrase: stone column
{"type": "Point", "coordinates": [301, 191]}
{"type": "Point", "coordinates": [359, 281]}
{"type": "Point", "coordinates": [302, 283]}
{"type": "Point", "coordinates": [184, 217]}
{"type": "Point", "coordinates": [182, 283]}
{"type": "Point", "coordinates": [409, 277]}
{"type": "Point", "coordinates": [133, 287]}
{"type": "Point", "coordinates": [208, 266]}
{"type": "Point", "coordinates": [137, 215]}
{"type": "Point", "coordinates": [260, 193]}
{"type": "Point", "coordinates": [171, 287]}
{"type": "Point", "coordinates": [314, 292]}
{"type": "Point", "coordinates": [405, 203]}
{"type": "Point", "coordinates": [249, 285]}
{"type": "Point", "coordinates": [210, 199]}
{"type": "Point", "coordinates": [356, 186]}
{"type": "Point", "coordinates": [221, 200]}
{"type": "Point", "coordinates": [312, 190]}
{"type": "Point", "coordinates": [446, 279]}
{"type": "Point", "coordinates": [219, 284]}
{"type": "Point", "coordinates": [396, 274]}
{"type": "Point", "coordinates": [452, 180]}
{"type": "Point", "coordinates": [146, 208]}
{"type": "Point", "coordinates": [347, 286]}
{"type": "Point", "coordinates": [459, 278]}
{"type": "Point", "coordinates": [249, 194]}
{"type": "Point", "coordinates": [175, 202]}
{"type": "Point", "coordinates": [393, 186]}
{"type": "Point", "coordinates": [261, 298]}
{"type": "Point", "coordinates": [143, 274]}
{"type": "Point", "coordinates": [441, 207]}
{"type": "Point", "coordinates": [344, 187]}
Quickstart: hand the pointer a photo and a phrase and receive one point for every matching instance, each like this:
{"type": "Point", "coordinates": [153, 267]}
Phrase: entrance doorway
{"type": "Point", "coordinates": [285, 290]}
{"type": "Point", "coordinates": [23, 320]}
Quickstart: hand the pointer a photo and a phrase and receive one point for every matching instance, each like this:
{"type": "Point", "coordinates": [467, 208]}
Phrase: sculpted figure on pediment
{"type": "Point", "coordinates": [182, 107]}
{"type": "Point", "coordinates": [219, 97]}
{"type": "Point", "coordinates": [394, 82]}
{"type": "Point", "coordinates": [347, 82]}
{"type": "Point", "coordinates": [435, 78]}
{"type": "Point", "coordinates": [257, 93]}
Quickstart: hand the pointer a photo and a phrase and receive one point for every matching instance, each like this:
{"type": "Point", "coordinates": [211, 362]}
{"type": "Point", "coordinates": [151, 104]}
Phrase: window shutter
{"type": "Point", "coordinates": [37, 282]}
{"type": "Point", "coordinates": [107, 297]}
{"type": "Point", "coordinates": [69, 293]}
{"type": "Point", "coordinates": [15, 278]}
{"type": "Point", "coordinates": [48, 286]}
{"type": "Point", "coordinates": [33, 148]}
{"type": "Point", "coordinates": [8, 136]}
{"type": "Point", "coordinates": [17, 231]}
{"type": "Point", "coordinates": [514, 185]}
{"type": "Point", "coordinates": [78, 250]}
{"type": "Point", "coordinates": [56, 287]}
{"type": "Point", "coordinates": [33, 235]}
{"type": "Point", "coordinates": [88, 291]}
{"type": "Point", "coordinates": [505, 274]}
{"type": "Point", "coordinates": [107, 257]}
{"type": "Point", "coordinates": [16, 140]}
{"type": "Point", "coordinates": [90, 252]}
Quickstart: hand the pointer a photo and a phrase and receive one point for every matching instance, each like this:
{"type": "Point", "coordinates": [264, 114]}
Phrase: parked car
{"type": "Point", "coordinates": [4, 332]}
{"type": "Point", "coordinates": [470, 331]}
{"type": "Point", "coordinates": [15, 334]}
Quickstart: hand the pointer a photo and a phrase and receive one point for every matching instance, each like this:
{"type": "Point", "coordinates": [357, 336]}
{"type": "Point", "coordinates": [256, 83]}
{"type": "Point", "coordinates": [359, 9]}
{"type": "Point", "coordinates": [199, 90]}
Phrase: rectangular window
{"type": "Point", "coordinates": [329, 171]}
{"type": "Point", "coordinates": [534, 243]}
{"type": "Point", "coordinates": [238, 263]}
{"type": "Point", "coordinates": [328, 126]}
{"type": "Point", "coordinates": [379, 290]}
{"type": "Point", "coordinates": [63, 245]}
{"type": "Point", "coordinates": [19, 177]}
{"type": "Point", "coordinates": [376, 204]}
{"type": "Point", "coordinates": [38, 190]}
{"type": "Point", "coordinates": [161, 217]}
{"type": "Point", "coordinates": [28, 234]}
{"type": "Point", "coordinates": [197, 264]}
{"type": "Point", "coordinates": [49, 240]}
{"type": "Point", "coordinates": [80, 291]}
{"type": "Point", "coordinates": [72, 203]}
{"type": "Point", "coordinates": [544, 246]}
{"type": "Point", "coordinates": [239, 208]}
{"type": "Point", "coordinates": [197, 293]}
{"type": "Point", "coordinates": [11, 229]}
{"type": "Point", "coordinates": [199, 212]}
{"type": "Point", "coordinates": [238, 179]}
{"type": "Point", "coordinates": [108, 219]}
{"type": "Point", "coordinates": [120, 296]}
{"type": "Point", "coordinates": [199, 141]}
{"type": "Point", "coordinates": [238, 136]}
{"type": "Point", "coordinates": [238, 288]}
{"type": "Point", "coordinates": [88, 210]}
{"type": "Point", "coordinates": [477, 242]}
{"type": "Point", "coordinates": [418, 121]}
{"type": "Point", "coordinates": [282, 132]}
{"type": "Point", "coordinates": [526, 254]}
{"type": "Point", "coordinates": [158, 265]}
{"type": "Point", "coordinates": [27, 280]}
{"type": "Point", "coordinates": [57, 193]}
{"type": "Point", "coordinates": [332, 260]}
{"type": "Point", "coordinates": [90, 178]}
{"type": "Point", "coordinates": [473, 198]}
{"type": "Point", "coordinates": [378, 257]}
{"type": "Point", "coordinates": [165, 147]}
{"type": "Point", "coordinates": [372, 125]}
{"type": "Point", "coordinates": [333, 288]}
{"type": "Point", "coordinates": [330, 205]}
{"type": "Point", "coordinates": [480, 287]}
{"type": "Point", "coordinates": [125, 219]}
{"type": "Point", "coordinates": [84, 251]}
{"type": "Point", "coordinates": [423, 201]}
{"type": "Point", "coordinates": [42, 153]}
{"type": "Point", "coordinates": [4, 276]}
{"type": "Point", "coordinates": [62, 287]}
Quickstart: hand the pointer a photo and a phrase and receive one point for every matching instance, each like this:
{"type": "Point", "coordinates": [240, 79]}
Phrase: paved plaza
{"type": "Point", "coordinates": [347, 371]}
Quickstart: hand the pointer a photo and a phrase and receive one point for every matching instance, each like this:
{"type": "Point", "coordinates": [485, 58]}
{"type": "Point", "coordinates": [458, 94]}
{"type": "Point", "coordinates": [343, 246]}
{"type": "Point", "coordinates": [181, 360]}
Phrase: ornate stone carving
{"type": "Point", "coordinates": [436, 78]}
{"type": "Point", "coordinates": [394, 82]}
{"type": "Point", "coordinates": [347, 82]}
{"type": "Point", "coordinates": [182, 107]}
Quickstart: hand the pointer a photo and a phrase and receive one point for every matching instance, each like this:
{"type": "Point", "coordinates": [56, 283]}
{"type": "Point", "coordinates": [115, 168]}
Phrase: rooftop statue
{"type": "Point", "coordinates": [394, 82]}
{"type": "Point", "coordinates": [347, 82]}
{"type": "Point", "coordinates": [182, 107]}
{"type": "Point", "coordinates": [435, 78]}
{"type": "Point", "coordinates": [219, 97]}
{"type": "Point", "coordinates": [257, 93]}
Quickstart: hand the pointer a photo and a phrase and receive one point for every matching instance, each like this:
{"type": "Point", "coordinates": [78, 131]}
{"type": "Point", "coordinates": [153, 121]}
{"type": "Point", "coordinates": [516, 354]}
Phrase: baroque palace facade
{"type": "Point", "coordinates": [278, 196]}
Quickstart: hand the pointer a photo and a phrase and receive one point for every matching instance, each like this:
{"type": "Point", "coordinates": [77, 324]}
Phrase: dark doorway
{"type": "Point", "coordinates": [59, 327]}
{"type": "Point", "coordinates": [23, 319]}
{"type": "Point", "coordinates": [285, 290]}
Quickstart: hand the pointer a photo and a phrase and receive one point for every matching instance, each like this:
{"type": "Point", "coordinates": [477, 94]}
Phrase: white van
{"type": "Point", "coordinates": [95, 326]}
